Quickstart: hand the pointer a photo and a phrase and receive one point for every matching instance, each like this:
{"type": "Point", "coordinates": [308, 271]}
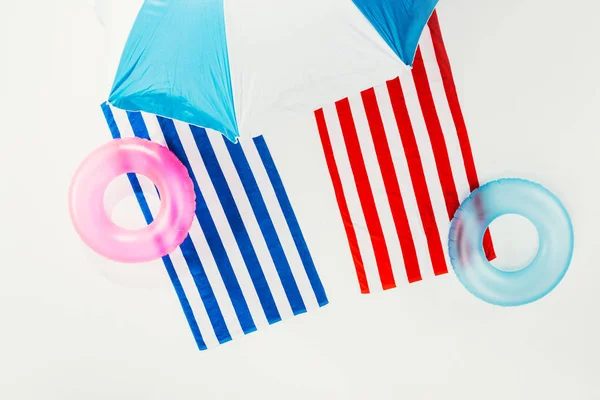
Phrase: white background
{"type": "Point", "coordinates": [527, 75]}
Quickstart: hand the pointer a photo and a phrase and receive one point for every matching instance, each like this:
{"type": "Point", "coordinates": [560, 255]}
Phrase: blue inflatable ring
{"type": "Point", "coordinates": [555, 232]}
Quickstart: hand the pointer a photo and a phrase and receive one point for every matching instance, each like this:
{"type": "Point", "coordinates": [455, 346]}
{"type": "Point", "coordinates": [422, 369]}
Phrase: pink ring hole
{"type": "Point", "coordinates": [157, 163]}
{"type": "Point", "coordinates": [122, 204]}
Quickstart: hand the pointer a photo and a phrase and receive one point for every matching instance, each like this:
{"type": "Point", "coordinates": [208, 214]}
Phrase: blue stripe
{"type": "Point", "coordinates": [292, 221]}
{"type": "Point", "coordinates": [185, 304]}
{"type": "Point", "coordinates": [266, 226]}
{"type": "Point", "coordinates": [139, 129]}
{"type": "Point", "coordinates": [237, 224]}
{"type": "Point", "coordinates": [210, 231]}
{"type": "Point", "coordinates": [138, 125]}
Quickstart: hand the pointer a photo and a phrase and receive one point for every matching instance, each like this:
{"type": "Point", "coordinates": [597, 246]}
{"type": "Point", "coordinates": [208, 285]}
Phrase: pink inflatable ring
{"type": "Point", "coordinates": [163, 168]}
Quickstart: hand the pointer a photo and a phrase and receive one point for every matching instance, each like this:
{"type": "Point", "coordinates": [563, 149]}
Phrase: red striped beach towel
{"type": "Point", "coordinates": [400, 162]}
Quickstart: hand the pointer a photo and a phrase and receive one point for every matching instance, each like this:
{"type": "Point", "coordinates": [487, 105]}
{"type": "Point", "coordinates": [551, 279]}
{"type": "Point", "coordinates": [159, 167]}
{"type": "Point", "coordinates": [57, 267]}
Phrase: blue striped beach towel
{"type": "Point", "coordinates": [245, 263]}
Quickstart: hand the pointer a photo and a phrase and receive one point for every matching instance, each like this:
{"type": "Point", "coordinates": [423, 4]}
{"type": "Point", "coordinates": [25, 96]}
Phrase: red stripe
{"type": "Point", "coordinates": [365, 194]}
{"type": "Point", "coordinates": [457, 115]}
{"type": "Point", "coordinates": [436, 135]}
{"type": "Point", "coordinates": [392, 188]}
{"type": "Point", "coordinates": [417, 176]}
{"type": "Point", "coordinates": [341, 200]}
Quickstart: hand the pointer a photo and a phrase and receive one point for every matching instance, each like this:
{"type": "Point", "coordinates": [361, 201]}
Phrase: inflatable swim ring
{"type": "Point", "coordinates": [491, 201]}
{"type": "Point", "coordinates": [163, 168]}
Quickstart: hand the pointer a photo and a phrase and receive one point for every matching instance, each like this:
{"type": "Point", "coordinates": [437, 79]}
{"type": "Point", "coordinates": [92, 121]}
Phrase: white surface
{"type": "Point", "coordinates": [116, 18]}
{"type": "Point", "coordinates": [527, 75]}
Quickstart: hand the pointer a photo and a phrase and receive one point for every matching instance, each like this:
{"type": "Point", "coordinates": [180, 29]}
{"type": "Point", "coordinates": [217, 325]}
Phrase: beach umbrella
{"type": "Point", "coordinates": [237, 66]}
